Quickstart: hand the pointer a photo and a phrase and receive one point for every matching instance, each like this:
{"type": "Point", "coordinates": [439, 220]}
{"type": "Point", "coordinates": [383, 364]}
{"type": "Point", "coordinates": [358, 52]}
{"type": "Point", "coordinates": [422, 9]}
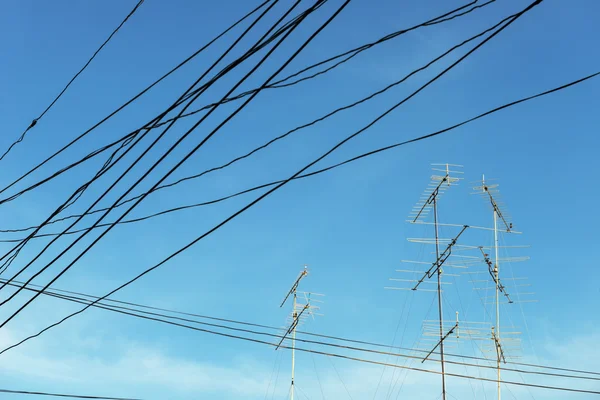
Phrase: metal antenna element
{"type": "Point", "coordinates": [299, 313]}
{"type": "Point", "coordinates": [455, 327]}
{"type": "Point", "coordinates": [489, 191]}
{"type": "Point", "coordinates": [436, 267]}
{"type": "Point", "coordinates": [295, 285]}
{"type": "Point", "coordinates": [498, 346]}
{"type": "Point", "coordinates": [427, 203]}
{"type": "Point", "coordinates": [437, 186]}
{"type": "Point", "coordinates": [500, 217]}
{"type": "Point", "coordinates": [493, 273]}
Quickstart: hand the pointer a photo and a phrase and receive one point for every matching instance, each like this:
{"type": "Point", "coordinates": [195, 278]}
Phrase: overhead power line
{"type": "Point", "coordinates": [317, 172]}
{"type": "Point", "coordinates": [137, 96]}
{"type": "Point", "coordinates": [105, 168]}
{"type": "Point", "coordinates": [298, 128]}
{"type": "Point", "coordinates": [261, 197]}
{"type": "Point", "coordinates": [140, 133]}
{"type": "Point", "coordinates": [278, 84]}
{"type": "Point", "coordinates": [36, 120]}
{"type": "Point", "coordinates": [189, 154]}
{"type": "Point", "coordinates": [123, 309]}
{"type": "Point", "coordinates": [69, 396]}
{"type": "Point", "coordinates": [530, 385]}
{"type": "Point", "coordinates": [351, 358]}
{"type": "Point", "coordinates": [348, 55]}
{"type": "Point", "coordinates": [109, 163]}
{"type": "Point", "coordinates": [273, 140]}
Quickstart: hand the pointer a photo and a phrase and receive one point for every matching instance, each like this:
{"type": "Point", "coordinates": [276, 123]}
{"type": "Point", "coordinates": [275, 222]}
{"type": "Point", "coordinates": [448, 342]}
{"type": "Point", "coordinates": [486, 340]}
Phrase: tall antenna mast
{"type": "Point", "coordinates": [439, 284]}
{"type": "Point", "coordinates": [488, 191]}
{"type": "Point", "coordinates": [429, 202]}
{"type": "Point", "coordinates": [299, 314]}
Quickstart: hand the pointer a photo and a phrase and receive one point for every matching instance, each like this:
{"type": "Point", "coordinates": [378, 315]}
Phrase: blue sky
{"type": "Point", "coordinates": [348, 224]}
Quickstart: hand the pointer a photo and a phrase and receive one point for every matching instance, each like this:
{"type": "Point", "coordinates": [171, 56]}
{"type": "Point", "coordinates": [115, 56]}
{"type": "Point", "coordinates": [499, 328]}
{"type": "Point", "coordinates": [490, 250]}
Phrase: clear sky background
{"type": "Point", "coordinates": [347, 224]}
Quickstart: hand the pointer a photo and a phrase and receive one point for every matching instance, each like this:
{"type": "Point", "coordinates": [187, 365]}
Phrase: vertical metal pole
{"type": "Point", "coordinates": [496, 276]}
{"type": "Point", "coordinates": [439, 290]}
{"type": "Point", "coordinates": [295, 315]}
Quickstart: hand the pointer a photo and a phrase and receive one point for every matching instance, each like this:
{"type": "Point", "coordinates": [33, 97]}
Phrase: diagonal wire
{"type": "Point", "coordinates": [443, 72]}
{"type": "Point", "coordinates": [35, 121]}
{"type": "Point", "coordinates": [83, 187]}
{"type": "Point", "coordinates": [270, 142]}
{"type": "Point", "coordinates": [327, 22]}
{"type": "Point", "coordinates": [339, 376]}
{"type": "Point", "coordinates": [317, 375]}
{"type": "Point", "coordinates": [120, 108]}
{"type": "Point", "coordinates": [69, 396]}
{"type": "Point", "coordinates": [436, 20]}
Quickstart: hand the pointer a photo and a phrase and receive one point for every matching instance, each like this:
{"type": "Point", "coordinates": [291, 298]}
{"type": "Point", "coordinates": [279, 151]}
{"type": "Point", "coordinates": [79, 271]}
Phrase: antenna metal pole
{"type": "Point", "coordinates": [497, 279]}
{"type": "Point", "coordinates": [496, 331]}
{"type": "Point", "coordinates": [295, 315]}
{"type": "Point", "coordinates": [439, 291]}
{"type": "Point", "coordinates": [295, 321]}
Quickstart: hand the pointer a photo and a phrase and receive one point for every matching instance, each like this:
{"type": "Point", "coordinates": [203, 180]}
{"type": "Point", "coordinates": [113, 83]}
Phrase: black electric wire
{"type": "Point", "coordinates": [215, 130]}
{"type": "Point", "coordinates": [274, 140]}
{"type": "Point", "coordinates": [69, 396]}
{"type": "Point", "coordinates": [320, 171]}
{"type": "Point", "coordinates": [281, 82]}
{"type": "Point", "coordinates": [125, 140]}
{"type": "Point", "coordinates": [158, 317]}
{"type": "Point", "coordinates": [20, 245]}
{"type": "Point", "coordinates": [331, 354]}
{"type": "Point", "coordinates": [261, 197]}
{"type": "Point", "coordinates": [63, 395]}
{"type": "Point", "coordinates": [155, 122]}
{"type": "Point", "coordinates": [557, 388]}
{"type": "Point", "coordinates": [105, 167]}
{"type": "Point", "coordinates": [200, 50]}
{"type": "Point", "coordinates": [328, 115]}
{"type": "Point", "coordinates": [350, 54]}
{"type": "Point", "coordinates": [36, 120]}
{"type": "Point", "coordinates": [327, 22]}
{"type": "Point", "coordinates": [261, 43]}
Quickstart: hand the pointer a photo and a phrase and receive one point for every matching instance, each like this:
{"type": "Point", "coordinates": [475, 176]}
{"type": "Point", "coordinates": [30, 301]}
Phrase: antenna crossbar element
{"type": "Point", "coordinates": [297, 318]}
{"type": "Point", "coordinates": [437, 186]}
{"type": "Point", "coordinates": [295, 285]}
{"type": "Point", "coordinates": [300, 312]}
{"type": "Point", "coordinates": [488, 190]}
{"type": "Point", "coordinates": [499, 350]}
{"type": "Point", "coordinates": [494, 276]}
{"type": "Point", "coordinates": [440, 342]}
{"type": "Point", "coordinates": [435, 267]}
{"type": "Point", "coordinates": [459, 225]}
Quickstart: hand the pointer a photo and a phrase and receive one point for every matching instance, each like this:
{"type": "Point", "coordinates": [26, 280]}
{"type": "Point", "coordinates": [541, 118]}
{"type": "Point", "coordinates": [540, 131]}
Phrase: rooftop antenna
{"type": "Point", "coordinates": [300, 312]}
{"type": "Point", "coordinates": [501, 224]}
{"type": "Point", "coordinates": [429, 203]}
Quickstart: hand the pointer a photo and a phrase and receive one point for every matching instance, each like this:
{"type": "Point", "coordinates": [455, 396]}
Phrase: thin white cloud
{"type": "Point", "coordinates": [149, 370]}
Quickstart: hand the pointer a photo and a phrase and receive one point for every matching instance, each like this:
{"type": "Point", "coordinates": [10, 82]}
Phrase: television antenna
{"type": "Point", "coordinates": [428, 204]}
{"type": "Point", "coordinates": [502, 224]}
{"type": "Point", "coordinates": [302, 309]}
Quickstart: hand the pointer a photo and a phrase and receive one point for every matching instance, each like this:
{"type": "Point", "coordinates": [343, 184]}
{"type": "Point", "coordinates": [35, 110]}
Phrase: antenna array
{"type": "Point", "coordinates": [302, 309]}
{"type": "Point", "coordinates": [450, 253]}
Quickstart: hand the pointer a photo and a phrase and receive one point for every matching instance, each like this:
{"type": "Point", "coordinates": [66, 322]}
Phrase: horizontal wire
{"type": "Point", "coordinates": [69, 396]}
{"type": "Point", "coordinates": [125, 310]}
